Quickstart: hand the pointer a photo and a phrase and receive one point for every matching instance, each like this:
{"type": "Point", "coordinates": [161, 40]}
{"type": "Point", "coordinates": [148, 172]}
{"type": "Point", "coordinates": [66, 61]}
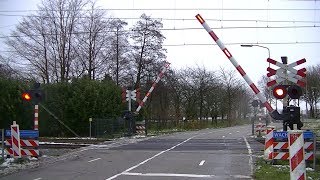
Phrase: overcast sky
{"type": "Point", "coordinates": [230, 21]}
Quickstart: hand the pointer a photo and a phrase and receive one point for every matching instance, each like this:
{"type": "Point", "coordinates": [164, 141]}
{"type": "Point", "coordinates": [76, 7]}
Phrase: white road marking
{"type": "Point", "coordinates": [230, 133]}
{"type": "Point", "coordinates": [202, 162]}
{"type": "Point", "coordinates": [169, 175]}
{"type": "Point", "coordinates": [143, 162]}
{"type": "Point", "coordinates": [37, 179]}
{"type": "Point", "coordinates": [185, 175]}
{"type": "Point", "coordinates": [94, 160]}
{"type": "Point", "coordinates": [250, 155]}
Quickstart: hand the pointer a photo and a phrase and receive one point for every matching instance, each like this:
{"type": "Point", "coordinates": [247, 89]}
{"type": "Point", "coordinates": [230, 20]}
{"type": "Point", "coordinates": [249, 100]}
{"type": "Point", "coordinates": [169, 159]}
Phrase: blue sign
{"type": "Point", "coordinates": [284, 134]}
{"type": "Point", "coordinates": [25, 133]}
{"type": "Point", "coordinates": [280, 134]}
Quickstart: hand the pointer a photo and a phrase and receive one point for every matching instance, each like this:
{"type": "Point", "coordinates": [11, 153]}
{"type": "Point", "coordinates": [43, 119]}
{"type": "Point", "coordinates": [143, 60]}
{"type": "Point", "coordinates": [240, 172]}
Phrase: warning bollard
{"type": "Point", "coordinates": [268, 145]}
{"type": "Point", "coordinates": [15, 136]}
{"type": "Point", "coordinates": [296, 155]}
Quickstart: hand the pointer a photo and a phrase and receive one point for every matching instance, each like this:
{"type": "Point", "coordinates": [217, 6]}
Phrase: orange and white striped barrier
{"type": "Point", "coordinates": [24, 143]}
{"type": "Point", "coordinates": [25, 152]}
{"type": "Point", "coordinates": [18, 147]}
{"type": "Point", "coordinates": [140, 129]}
{"type": "Point", "coordinates": [232, 59]}
{"type": "Point", "coordinates": [268, 145]}
{"type": "Point", "coordinates": [260, 128]}
{"type": "Point", "coordinates": [15, 136]}
{"type": "Point", "coordinates": [296, 155]}
{"type": "Point", "coordinates": [160, 75]}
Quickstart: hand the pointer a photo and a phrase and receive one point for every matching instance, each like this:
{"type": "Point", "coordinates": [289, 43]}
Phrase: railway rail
{"type": "Point", "coordinates": [67, 143]}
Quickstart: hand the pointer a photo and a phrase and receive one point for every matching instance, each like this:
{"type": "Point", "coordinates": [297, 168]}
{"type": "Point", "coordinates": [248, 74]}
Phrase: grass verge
{"type": "Point", "coordinates": [281, 171]}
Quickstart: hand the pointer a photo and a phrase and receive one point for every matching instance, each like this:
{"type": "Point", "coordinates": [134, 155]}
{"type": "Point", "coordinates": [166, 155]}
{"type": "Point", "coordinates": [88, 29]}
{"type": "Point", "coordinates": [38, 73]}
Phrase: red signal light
{"type": "Point", "coordinates": [26, 96]}
{"type": "Point", "coordinates": [280, 92]}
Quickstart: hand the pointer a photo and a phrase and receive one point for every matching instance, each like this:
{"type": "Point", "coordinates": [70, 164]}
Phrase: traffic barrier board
{"type": "Point", "coordinates": [25, 133]}
{"type": "Point", "coordinates": [284, 135]}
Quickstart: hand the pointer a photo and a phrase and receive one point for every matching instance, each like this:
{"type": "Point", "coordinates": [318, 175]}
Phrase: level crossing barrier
{"type": "Point", "coordinates": [140, 129]}
{"type": "Point", "coordinates": [281, 145]}
{"type": "Point", "coordinates": [260, 129]}
{"type": "Point", "coordinates": [21, 143]}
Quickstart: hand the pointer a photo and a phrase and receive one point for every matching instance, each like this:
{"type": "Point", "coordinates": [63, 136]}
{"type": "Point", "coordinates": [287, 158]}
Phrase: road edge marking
{"type": "Point", "coordinates": [94, 160]}
{"type": "Point", "coordinates": [250, 154]}
{"type": "Point", "coordinates": [169, 175]}
{"type": "Point", "coordinates": [202, 162]}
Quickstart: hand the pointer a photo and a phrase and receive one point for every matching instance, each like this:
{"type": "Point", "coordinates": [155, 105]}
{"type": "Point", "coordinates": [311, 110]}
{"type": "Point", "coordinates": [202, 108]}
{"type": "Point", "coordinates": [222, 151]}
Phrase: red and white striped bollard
{"type": "Point", "coordinates": [296, 155]}
{"type": "Point", "coordinates": [15, 136]}
{"type": "Point", "coordinates": [268, 145]}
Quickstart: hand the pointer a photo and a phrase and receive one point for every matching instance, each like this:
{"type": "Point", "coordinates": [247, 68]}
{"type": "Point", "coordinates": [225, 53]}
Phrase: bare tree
{"type": "Point", "coordinates": [91, 43]}
{"type": "Point", "coordinates": [231, 86]}
{"type": "Point", "coordinates": [312, 93]}
{"type": "Point", "coordinates": [45, 39]}
{"type": "Point", "coordinates": [148, 50]}
{"type": "Point", "coordinates": [119, 51]}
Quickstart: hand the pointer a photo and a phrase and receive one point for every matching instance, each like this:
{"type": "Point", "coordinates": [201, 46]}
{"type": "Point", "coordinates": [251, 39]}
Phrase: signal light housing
{"type": "Point", "coordinates": [26, 96]}
{"type": "Point", "coordinates": [280, 91]}
{"type": "Point", "coordinates": [294, 91]}
{"type": "Point", "coordinates": [35, 95]}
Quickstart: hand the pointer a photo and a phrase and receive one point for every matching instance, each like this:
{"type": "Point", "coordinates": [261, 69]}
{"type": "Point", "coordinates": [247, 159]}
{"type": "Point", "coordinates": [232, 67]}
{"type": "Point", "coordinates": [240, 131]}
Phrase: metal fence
{"type": "Point", "coordinates": [107, 127]}
{"type": "Point", "coordinates": [312, 124]}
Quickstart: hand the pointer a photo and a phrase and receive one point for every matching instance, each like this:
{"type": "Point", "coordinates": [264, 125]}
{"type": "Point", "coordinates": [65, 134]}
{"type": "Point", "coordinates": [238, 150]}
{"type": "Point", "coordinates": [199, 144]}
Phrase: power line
{"type": "Point", "coordinates": [182, 19]}
{"type": "Point", "coordinates": [229, 44]}
{"type": "Point", "coordinates": [180, 9]}
{"type": "Point", "coordinates": [238, 43]}
{"type": "Point", "coordinates": [170, 29]}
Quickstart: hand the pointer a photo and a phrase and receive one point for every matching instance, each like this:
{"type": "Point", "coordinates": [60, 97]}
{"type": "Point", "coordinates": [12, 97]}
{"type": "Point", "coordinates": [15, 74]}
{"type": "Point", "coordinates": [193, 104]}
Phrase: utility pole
{"type": "Point", "coordinates": [284, 60]}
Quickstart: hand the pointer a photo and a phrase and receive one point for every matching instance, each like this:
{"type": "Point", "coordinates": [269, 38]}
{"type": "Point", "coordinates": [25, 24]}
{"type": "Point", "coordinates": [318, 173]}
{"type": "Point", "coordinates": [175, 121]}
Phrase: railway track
{"type": "Point", "coordinates": [67, 143]}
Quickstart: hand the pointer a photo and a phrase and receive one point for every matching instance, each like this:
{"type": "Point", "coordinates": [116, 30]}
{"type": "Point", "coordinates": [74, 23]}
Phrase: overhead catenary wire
{"type": "Point", "coordinates": [208, 44]}
{"type": "Point", "coordinates": [169, 29]}
{"type": "Point", "coordinates": [176, 19]}
{"type": "Point", "coordinates": [175, 9]}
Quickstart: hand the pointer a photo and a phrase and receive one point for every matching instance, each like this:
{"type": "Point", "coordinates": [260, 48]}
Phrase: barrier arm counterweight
{"type": "Point", "coordinates": [273, 113]}
{"type": "Point", "coordinates": [164, 69]}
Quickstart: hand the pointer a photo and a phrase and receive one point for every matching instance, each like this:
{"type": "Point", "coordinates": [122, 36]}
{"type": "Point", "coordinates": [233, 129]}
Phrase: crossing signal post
{"type": "Point", "coordinates": [290, 113]}
{"type": "Point", "coordinates": [35, 96]}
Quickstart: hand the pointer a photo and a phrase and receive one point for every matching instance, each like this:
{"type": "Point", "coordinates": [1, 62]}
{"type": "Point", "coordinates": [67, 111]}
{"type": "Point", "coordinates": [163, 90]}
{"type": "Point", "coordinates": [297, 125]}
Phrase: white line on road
{"type": "Point", "coordinates": [143, 162]}
{"type": "Point", "coordinates": [37, 179]}
{"type": "Point", "coordinates": [202, 162]}
{"type": "Point", "coordinates": [94, 160]}
{"type": "Point", "coordinates": [250, 155]}
{"type": "Point", "coordinates": [186, 175]}
{"type": "Point", "coordinates": [169, 175]}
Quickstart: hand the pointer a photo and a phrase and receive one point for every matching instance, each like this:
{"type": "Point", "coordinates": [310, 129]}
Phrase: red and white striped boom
{"type": "Point", "coordinates": [164, 69]}
{"type": "Point", "coordinates": [274, 114]}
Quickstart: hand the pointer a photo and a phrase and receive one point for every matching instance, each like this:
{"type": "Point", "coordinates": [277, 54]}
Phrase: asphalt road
{"type": "Point", "coordinates": [226, 153]}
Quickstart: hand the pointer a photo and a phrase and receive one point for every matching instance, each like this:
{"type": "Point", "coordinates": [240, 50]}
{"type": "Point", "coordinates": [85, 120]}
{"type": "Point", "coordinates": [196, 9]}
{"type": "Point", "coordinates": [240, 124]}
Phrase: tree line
{"type": "Point", "coordinates": [83, 58]}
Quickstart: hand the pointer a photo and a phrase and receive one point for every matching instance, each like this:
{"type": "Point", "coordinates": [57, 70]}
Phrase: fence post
{"type": "Point", "coordinates": [2, 144]}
